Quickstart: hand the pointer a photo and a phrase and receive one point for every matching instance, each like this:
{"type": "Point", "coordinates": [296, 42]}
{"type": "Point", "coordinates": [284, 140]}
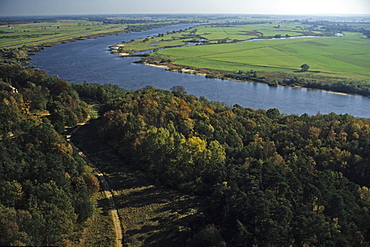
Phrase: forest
{"type": "Point", "coordinates": [270, 179]}
{"type": "Point", "coordinates": [46, 189]}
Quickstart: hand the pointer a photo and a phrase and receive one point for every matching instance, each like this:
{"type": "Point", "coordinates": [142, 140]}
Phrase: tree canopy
{"type": "Point", "coordinates": [271, 179]}
{"type": "Point", "coordinates": [46, 190]}
{"type": "Point", "coordinates": [304, 67]}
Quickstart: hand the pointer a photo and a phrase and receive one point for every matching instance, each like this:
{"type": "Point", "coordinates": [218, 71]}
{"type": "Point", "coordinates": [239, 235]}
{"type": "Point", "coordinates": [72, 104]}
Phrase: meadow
{"type": "Point", "coordinates": [215, 33]}
{"type": "Point", "coordinates": [159, 41]}
{"type": "Point", "coordinates": [347, 56]}
{"type": "Point", "coordinates": [52, 32]}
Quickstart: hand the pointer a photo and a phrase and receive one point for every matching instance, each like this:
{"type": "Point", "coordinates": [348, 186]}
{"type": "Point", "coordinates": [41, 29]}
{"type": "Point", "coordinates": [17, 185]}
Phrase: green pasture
{"type": "Point", "coordinates": [230, 32]}
{"type": "Point", "coordinates": [347, 56]}
{"type": "Point", "coordinates": [214, 32]}
{"type": "Point", "coordinates": [157, 42]}
{"type": "Point", "coordinates": [49, 31]}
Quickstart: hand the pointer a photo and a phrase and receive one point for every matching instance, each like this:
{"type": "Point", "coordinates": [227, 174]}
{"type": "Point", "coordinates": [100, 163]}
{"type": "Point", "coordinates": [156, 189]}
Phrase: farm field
{"type": "Point", "coordinates": [45, 32]}
{"type": "Point", "coordinates": [215, 33]}
{"type": "Point", "coordinates": [173, 39]}
{"type": "Point", "coordinates": [347, 56]}
{"type": "Point", "coordinates": [50, 32]}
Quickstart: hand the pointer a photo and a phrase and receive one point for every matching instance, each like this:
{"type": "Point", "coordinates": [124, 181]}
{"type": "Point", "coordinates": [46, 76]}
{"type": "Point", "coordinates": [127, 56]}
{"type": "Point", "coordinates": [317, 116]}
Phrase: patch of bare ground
{"type": "Point", "coordinates": [150, 215]}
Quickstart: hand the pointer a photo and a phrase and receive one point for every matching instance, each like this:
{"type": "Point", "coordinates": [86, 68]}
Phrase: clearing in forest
{"type": "Point", "coordinates": [150, 215]}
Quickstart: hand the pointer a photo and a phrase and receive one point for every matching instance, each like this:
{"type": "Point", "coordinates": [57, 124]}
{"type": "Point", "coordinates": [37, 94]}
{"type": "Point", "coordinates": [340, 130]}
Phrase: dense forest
{"type": "Point", "coordinates": [46, 188]}
{"type": "Point", "coordinates": [270, 179]}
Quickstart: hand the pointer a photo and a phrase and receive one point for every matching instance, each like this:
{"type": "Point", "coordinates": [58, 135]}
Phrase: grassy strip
{"type": "Point", "coordinates": [98, 229]}
{"type": "Point", "coordinates": [149, 214]}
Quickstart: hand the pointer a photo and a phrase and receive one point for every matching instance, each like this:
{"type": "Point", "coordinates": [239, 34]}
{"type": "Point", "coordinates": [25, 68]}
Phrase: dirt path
{"type": "Point", "coordinates": [150, 215]}
{"type": "Point", "coordinates": [106, 188]}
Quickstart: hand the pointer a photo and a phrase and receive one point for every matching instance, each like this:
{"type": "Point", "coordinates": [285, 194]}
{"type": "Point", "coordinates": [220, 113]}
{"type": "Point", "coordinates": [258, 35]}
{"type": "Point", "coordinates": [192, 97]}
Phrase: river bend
{"type": "Point", "coordinates": [90, 60]}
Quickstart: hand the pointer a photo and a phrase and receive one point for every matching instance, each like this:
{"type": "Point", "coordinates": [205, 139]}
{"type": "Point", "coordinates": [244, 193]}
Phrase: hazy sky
{"type": "Point", "coordinates": [289, 7]}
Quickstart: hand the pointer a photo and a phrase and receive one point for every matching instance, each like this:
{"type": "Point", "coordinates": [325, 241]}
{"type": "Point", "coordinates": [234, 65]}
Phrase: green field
{"type": "Point", "coordinates": [171, 39]}
{"type": "Point", "coordinates": [51, 32]}
{"type": "Point", "coordinates": [347, 56]}
{"type": "Point", "coordinates": [213, 33]}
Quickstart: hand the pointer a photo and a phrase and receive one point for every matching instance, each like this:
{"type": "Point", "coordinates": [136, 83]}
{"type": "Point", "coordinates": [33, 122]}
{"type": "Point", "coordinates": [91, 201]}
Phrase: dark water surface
{"type": "Point", "coordinates": [90, 60]}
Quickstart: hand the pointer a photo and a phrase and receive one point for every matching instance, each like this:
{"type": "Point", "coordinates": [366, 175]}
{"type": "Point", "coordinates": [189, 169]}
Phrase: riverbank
{"type": "Point", "coordinates": [180, 70]}
{"type": "Point", "coordinates": [225, 61]}
{"type": "Point", "coordinates": [93, 63]}
{"type": "Point", "coordinates": [333, 63]}
{"type": "Point", "coordinates": [64, 30]}
{"type": "Point", "coordinates": [332, 85]}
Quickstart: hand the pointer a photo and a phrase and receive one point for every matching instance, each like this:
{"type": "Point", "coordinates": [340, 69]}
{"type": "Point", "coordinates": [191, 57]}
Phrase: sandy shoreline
{"type": "Point", "coordinates": [115, 48]}
{"type": "Point", "coordinates": [123, 54]}
{"type": "Point", "coordinates": [189, 71]}
{"type": "Point", "coordinates": [157, 66]}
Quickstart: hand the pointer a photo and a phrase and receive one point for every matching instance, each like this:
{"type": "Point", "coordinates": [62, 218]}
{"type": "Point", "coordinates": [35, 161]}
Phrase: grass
{"type": "Point", "coordinates": [214, 32]}
{"type": "Point", "coordinates": [98, 230]}
{"type": "Point", "coordinates": [52, 32]}
{"type": "Point", "coordinates": [157, 42]}
{"type": "Point", "coordinates": [347, 56]}
{"type": "Point", "coordinates": [150, 215]}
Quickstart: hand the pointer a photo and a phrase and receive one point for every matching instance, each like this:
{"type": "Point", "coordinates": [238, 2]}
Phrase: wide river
{"type": "Point", "coordinates": [90, 60]}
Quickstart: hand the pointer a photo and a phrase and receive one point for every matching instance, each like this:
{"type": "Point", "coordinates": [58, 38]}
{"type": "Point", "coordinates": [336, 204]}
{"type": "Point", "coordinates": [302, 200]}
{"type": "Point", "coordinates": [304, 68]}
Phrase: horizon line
{"type": "Point", "coordinates": [164, 13]}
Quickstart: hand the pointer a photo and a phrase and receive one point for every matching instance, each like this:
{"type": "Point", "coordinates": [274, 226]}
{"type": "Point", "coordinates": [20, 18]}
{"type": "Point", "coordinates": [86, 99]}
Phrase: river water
{"type": "Point", "coordinates": [90, 60]}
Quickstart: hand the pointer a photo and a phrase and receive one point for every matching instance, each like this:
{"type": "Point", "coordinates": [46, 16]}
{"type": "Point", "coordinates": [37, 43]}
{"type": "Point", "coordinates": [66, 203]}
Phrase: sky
{"type": "Point", "coordinates": [280, 7]}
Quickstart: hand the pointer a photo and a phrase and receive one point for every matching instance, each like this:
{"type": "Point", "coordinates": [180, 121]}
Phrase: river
{"type": "Point", "coordinates": [90, 60]}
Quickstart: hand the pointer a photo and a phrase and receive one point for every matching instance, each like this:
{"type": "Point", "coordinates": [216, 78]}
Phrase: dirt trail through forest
{"type": "Point", "coordinates": [150, 215]}
{"type": "Point", "coordinates": [106, 189]}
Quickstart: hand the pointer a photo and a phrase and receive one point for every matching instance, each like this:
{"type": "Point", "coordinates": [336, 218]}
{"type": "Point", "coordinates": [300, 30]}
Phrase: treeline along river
{"type": "Point", "coordinates": [91, 61]}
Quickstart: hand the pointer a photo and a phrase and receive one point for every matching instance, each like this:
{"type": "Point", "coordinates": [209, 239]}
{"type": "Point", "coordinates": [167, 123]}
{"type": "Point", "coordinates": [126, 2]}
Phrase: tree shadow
{"type": "Point", "coordinates": [150, 215]}
{"type": "Point", "coordinates": [308, 71]}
